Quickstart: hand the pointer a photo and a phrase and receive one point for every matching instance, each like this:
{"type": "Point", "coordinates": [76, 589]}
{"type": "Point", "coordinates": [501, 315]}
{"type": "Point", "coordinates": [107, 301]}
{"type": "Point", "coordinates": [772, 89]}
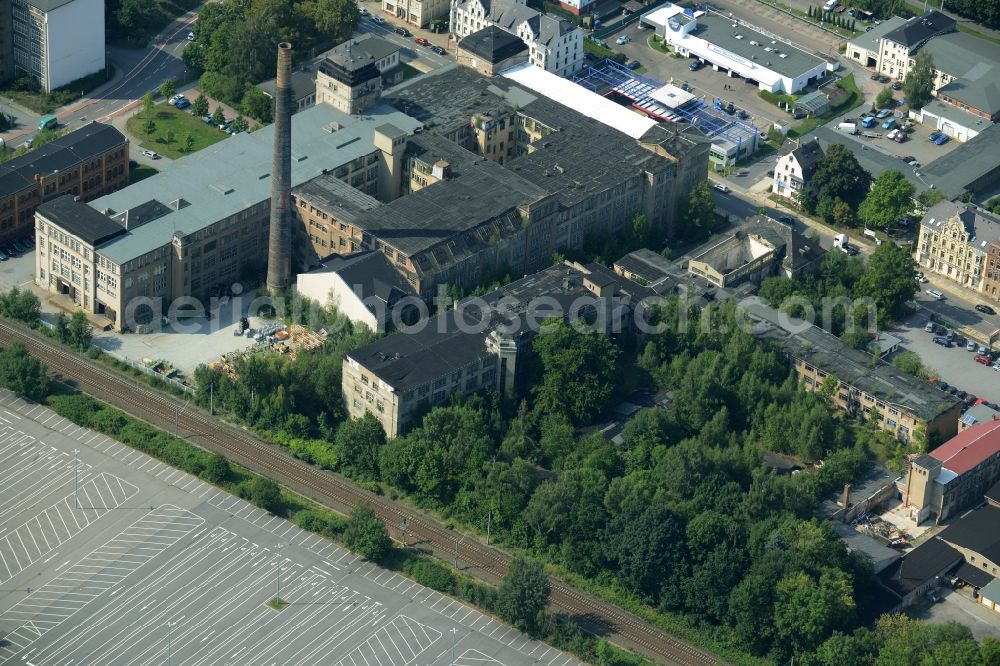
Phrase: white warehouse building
{"type": "Point", "coordinates": [735, 48]}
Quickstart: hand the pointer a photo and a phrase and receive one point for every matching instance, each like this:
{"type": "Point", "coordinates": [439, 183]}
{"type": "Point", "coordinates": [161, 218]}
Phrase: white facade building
{"type": "Point", "coordinates": [58, 41]}
{"type": "Point", "coordinates": [794, 170]}
{"type": "Point", "coordinates": [554, 44]}
{"type": "Point", "coordinates": [736, 49]}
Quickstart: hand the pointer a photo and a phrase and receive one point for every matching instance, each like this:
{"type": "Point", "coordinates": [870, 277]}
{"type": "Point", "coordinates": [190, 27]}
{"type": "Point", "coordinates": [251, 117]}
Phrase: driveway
{"type": "Point", "coordinates": [956, 606]}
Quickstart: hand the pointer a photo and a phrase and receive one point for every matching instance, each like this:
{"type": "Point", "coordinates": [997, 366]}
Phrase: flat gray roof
{"type": "Point", "coordinates": [235, 174]}
{"type": "Point", "coordinates": [870, 40]}
{"type": "Point", "coordinates": [975, 158]}
{"type": "Point", "coordinates": [869, 156]}
{"type": "Point", "coordinates": [974, 63]}
{"type": "Point", "coordinates": [956, 115]}
{"type": "Point", "coordinates": [719, 31]}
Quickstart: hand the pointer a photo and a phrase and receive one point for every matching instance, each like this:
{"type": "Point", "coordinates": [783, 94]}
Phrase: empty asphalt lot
{"type": "Point", "coordinates": [111, 557]}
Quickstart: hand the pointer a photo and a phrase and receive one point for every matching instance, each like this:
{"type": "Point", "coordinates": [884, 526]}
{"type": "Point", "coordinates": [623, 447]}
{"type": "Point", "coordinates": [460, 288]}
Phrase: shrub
{"type": "Point", "coordinates": [431, 574]}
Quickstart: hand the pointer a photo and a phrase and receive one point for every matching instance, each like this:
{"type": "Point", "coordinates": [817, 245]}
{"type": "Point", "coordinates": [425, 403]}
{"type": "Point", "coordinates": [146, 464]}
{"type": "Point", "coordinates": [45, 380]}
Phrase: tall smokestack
{"type": "Point", "coordinates": [279, 251]}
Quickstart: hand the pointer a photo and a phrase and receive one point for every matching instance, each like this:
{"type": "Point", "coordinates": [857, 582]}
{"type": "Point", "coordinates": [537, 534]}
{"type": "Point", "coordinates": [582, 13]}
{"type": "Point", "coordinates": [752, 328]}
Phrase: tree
{"type": "Point", "coordinates": [200, 105]}
{"type": "Point", "coordinates": [258, 106]}
{"type": "Point", "coordinates": [21, 305]}
{"type": "Point", "coordinates": [23, 374]}
{"type": "Point", "coordinates": [839, 176]}
{"type": "Point", "coordinates": [240, 124]}
{"type": "Point", "coordinates": [919, 81]}
{"type": "Point", "coordinates": [148, 104]}
{"type": "Point", "coordinates": [910, 363]}
{"type": "Point", "coordinates": [842, 214]}
{"type": "Point", "coordinates": [807, 611]}
{"type": "Point", "coordinates": [366, 533]}
{"type": "Point", "coordinates": [888, 279]}
{"type": "Point", "coordinates": [170, 138]}
{"type": "Point", "coordinates": [149, 128]}
{"type": "Point", "coordinates": [698, 213]}
{"type": "Point", "coordinates": [61, 327]}
{"type": "Point", "coordinates": [167, 89]}
{"type": "Point", "coordinates": [358, 442]}
{"type": "Point", "coordinates": [217, 470]}
{"type": "Point", "coordinates": [218, 116]}
{"type": "Point", "coordinates": [335, 18]}
{"type": "Point", "coordinates": [134, 14]}
{"type": "Point", "coordinates": [523, 594]}
{"type": "Point", "coordinates": [78, 331]}
{"type": "Point", "coordinates": [188, 142]}
{"type": "Point", "coordinates": [265, 493]}
{"type": "Point", "coordinates": [578, 368]}
{"type": "Point", "coordinates": [884, 97]}
{"type": "Point", "coordinates": [889, 200]}
{"type": "Point", "coordinates": [929, 197]}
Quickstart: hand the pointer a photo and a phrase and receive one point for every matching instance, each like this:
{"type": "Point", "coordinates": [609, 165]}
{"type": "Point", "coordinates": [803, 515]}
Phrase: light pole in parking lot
{"type": "Point", "coordinates": [76, 476]}
{"type": "Point", "coordinates": [169, 626]}
{"type": "Point", "coordinates": [277, 594]}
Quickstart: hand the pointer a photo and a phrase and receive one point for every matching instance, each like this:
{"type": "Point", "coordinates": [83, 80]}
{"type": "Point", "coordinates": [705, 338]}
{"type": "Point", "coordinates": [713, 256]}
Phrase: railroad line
{"type": "Point", "coordinates": [174, 415]}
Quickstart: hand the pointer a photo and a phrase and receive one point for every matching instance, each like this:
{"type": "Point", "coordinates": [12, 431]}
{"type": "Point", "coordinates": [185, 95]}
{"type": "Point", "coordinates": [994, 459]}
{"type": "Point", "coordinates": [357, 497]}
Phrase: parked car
{"type": "Point", "coordinates": [944, 386]}
{"type": "Point", "coordinates": [150, 154]}
{"type": "Point", "coordinates": [985, 309]}
{"type": "Point", "coordinates": [894, 133]}
{"type": "Point", "coordinates": [908, 159]}
{"type": "Point", "coordinates": [182, 103]}
{"type": "Point", "coordinates": [982, 351]}
{"type": "Point", "coordinates": [900, 136]}
{"type": "Point", "coordinates": [3, 257]}
{"type": "Point", "coordinates": [941, 140]}
{"type": "Point", "coordinates": [362, 11]}
{"type": "Point", "coordinates": [787, 219]}
{"type": "Point", "coordinates": [868, 121]}
{"type": "Point", "coordinates": [929, 327]}
{"type": "Point", "coordinates": [742, 115]}
{"type": "Point", "coordinates": [985, 360]}
{"type": "Point", "coordinates": [970, 346]}
{"type": "Point", "coordinates": [933, 136]}
{"type": "Point", "coordinates": [378, 20]}
{"type": "Point", "coordinates": [438, 50]}
{"type": "Point", "coordinates": [207, 119]}
{"type": "Point", "coordinates": [720, 187]}
{"type": "Point", "coordinates": [883, 79]}
{"type": "Point", "coordinates": [173, 100]}
{"type": "Point", "coordinates": [874, 76]}
{"type": "Point", "coordinates": [944, 342]}
{"type": "Point", "coordinates": [935, 294]}
{"type": "Point", "coordinates": [960, 394]}
{"type": "Point", "coordinates": [896, 85]}
{"type": "Point", "coordinates": [884, 113]}
{"type": "Point", "coordinates": [190, 36]}
{"type": "Point", "coordinates": [400, 30]}
{"type": "Point", "coordinates": [421, 41]}
{"type": "Point", "coordinates": [934, 596]}
{"type": "Point", "coordinates": [696, 65]}
{"type": "Point", "coordinates": [622, 39]}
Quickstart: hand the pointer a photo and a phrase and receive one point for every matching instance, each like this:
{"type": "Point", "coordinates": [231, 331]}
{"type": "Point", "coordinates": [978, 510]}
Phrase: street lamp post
{"type": "Point", "coordinates": [277, 595]}
{"type": "Point", "coordinates": [454, 632]}
{"type": "Point", "coordinates": [76, 477]}
{"type": "Point", "coordinates": [169, 626]}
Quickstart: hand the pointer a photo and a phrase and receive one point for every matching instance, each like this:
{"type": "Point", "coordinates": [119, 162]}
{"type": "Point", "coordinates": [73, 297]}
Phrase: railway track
{"type": "Point", "coordinates": [172, 414]}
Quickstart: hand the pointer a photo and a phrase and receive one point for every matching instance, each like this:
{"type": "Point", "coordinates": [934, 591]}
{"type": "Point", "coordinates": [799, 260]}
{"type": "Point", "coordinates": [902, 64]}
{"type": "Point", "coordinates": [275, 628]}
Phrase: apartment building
{"type": "Point", "coordinates": [89, 162]}
{"type": "Point", "coordinates": [554, 44]}
{"type": "Point", "coordinates": [966, 68]}
{"type": "Point", "coordinates": [416, 12]}
{"type": "Point", "coordinates": [794, 170]}
{"type": "Point", "coordinates": [901, 404]}
{"type": "Point", "coordinates": [195, 230]}
{"type": "Point", "coordinates": [954, 476]}
{"type": "Point", "coordinates": [962, 243]}
{"type": "Point", "coordinates": [55, 41]}
{"type": "Point", "coordinates": [478, 345]}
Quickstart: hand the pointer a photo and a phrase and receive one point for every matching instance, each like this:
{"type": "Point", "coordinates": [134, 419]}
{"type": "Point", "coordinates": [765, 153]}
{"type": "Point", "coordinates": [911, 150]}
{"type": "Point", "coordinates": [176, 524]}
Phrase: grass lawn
{"type": "Point", "coordinates": [854, 99]}
{"type": "Point", "coordinates": [409, 71]}
{"type": "Point", "coordinates": [656, 43]}
{"type": "Point", "coordinates": [44, 103]}
{"type": "Point", "coordinates": [590, 46]}
{"type": "Point", "coordinates": [169, 119]}
{"type": "Point", "coordinates": [141, 172]}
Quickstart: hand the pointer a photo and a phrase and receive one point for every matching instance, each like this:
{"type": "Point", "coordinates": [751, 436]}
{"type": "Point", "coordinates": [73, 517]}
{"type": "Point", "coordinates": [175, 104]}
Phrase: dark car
{"type": "Point", "coordinates": [961, 395]}
{"type": "Point", "coordinates": [944, 342]}
{"type": "Point", "coordinates": [402, 31]}
{"type": "Point", "coordinates": [438, 50]}
{"type": "Point", "coordinates": [985, 309]}
{"type": "Point", "coordinates": [742, 115]}
{"type": "Point", "coordinates": [908, 158]}
{"type": "Point", "coordinates": [883, 79]}
{"type": "Point", "coordinates": [970, 399]}
{"type": "Point", "coordinates": [875, 76]}
{"type": "Point", "coordinates": [696, 65]}
{"type": "Point", "coordinates": [787, 219]}
{"type": "Point", "coordinates": [944, 386]}
{"type": "Point", "coordinates": [896, 85]}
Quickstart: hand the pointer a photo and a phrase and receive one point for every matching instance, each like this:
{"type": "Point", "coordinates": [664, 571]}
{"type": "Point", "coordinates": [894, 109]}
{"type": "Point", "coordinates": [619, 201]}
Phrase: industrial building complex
{"type": "Point", "coordinates": [447, 177]}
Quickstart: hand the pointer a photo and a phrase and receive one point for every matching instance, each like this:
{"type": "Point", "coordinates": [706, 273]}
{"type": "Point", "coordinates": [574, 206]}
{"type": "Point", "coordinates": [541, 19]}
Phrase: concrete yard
{"type": "Point", "coordinates": [154, 560]}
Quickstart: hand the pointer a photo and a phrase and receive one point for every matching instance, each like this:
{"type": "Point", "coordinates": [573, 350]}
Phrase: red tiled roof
{"type": "Point", "coordinates": [969, 447]}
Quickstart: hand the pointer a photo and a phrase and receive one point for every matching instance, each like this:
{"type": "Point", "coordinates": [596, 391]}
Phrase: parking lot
{"type": "Point", "coordinates": [16, 271]}
{"type": "Point", "coordinates": [153, 561]}
{"type": "Point", "coordinates": [954, 365]}
{"type": "Point", "coordinates": [957, 606]}
{"type": "Point", "coordinates": [705, 82]}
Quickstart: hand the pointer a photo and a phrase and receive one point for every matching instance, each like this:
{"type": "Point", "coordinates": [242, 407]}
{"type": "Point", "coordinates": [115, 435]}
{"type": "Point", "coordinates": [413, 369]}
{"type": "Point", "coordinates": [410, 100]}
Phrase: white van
{"type": "Point", "coordinates": [830, 5]}
{"type": "Point", "coordinates": [850, 128]}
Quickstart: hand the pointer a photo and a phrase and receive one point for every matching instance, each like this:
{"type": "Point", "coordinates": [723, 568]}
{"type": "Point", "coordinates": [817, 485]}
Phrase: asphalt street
{"type": "Point", "coordinates": [108, 556]}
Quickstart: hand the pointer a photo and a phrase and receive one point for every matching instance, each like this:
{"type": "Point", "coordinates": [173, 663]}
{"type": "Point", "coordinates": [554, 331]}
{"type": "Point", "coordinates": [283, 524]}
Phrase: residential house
{"type": "Point", "coordinates": [794, 170]}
